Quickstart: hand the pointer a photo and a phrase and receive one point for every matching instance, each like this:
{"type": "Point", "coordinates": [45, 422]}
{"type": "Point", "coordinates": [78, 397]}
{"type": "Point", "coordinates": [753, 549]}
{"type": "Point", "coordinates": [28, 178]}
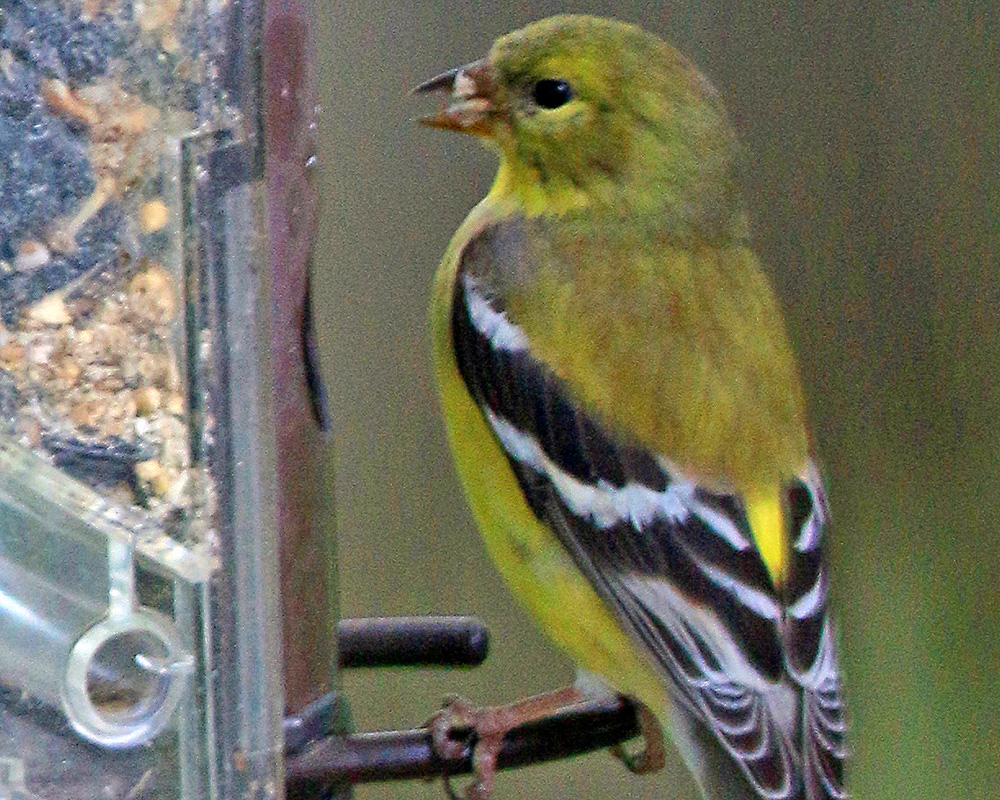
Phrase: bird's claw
{"type": "Point", "coordinates": [653, 755]}
{"type": "Point", "coordinates": [486, 725]}
{"type": "Point", "coordinates": [454, 716]}
{"type": "Point", "coordinates": [488, 728]}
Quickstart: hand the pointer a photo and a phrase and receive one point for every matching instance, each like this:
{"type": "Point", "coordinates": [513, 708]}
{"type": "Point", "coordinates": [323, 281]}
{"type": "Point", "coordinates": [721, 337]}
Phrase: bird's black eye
{"type": "Point", "coordinates": [551, 93]}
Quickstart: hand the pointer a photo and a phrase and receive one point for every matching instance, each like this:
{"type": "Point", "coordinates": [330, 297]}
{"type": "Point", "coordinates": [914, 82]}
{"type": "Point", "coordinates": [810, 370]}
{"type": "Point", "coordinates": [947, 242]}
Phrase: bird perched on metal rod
{"type": "Point", "coordinates": [625, 411]}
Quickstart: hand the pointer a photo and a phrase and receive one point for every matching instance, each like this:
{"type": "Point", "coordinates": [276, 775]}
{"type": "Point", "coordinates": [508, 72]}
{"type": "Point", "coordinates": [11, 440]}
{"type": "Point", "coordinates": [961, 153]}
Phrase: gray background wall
{"type": "Point", "coordinates": [873, 188]}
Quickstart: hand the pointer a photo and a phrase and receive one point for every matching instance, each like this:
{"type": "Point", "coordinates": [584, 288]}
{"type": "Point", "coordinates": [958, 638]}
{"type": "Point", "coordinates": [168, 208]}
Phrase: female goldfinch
{"type": "Point", "coordinates": [624, 407]}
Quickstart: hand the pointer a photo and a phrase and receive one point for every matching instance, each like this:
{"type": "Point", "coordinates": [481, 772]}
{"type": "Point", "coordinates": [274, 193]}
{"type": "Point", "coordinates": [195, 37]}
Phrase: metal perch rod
{"type": "Point", "coordinates": [403, 755]}
{"type": "Point", "coordinates": [314, 763]}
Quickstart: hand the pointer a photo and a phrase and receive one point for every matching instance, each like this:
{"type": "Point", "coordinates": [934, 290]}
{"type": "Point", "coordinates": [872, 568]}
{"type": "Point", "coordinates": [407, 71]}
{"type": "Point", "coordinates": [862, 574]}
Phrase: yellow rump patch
{"type": "Point", "coordinates": [767, 524]}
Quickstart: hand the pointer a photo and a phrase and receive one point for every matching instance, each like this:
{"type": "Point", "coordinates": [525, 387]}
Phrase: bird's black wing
{"type": "Point", "coordinates": [676, 563]}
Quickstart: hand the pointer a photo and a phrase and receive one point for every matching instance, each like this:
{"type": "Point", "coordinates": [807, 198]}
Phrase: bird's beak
{"type": "Point", "coordinates": [470, 96]}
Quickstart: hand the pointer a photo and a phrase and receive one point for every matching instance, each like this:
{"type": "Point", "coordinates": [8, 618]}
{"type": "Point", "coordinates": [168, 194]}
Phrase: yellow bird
{"type": "Point", "coordinates": [625, 411]}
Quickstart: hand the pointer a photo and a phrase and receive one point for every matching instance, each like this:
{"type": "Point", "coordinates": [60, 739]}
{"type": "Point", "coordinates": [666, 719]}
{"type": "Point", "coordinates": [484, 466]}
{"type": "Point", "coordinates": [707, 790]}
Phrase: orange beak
{"type": "Point", "coordinates": [470, 93]}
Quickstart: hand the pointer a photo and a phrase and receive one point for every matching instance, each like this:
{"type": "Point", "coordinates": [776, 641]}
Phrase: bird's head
{"type": "Point", "coordinates": [588, 111]}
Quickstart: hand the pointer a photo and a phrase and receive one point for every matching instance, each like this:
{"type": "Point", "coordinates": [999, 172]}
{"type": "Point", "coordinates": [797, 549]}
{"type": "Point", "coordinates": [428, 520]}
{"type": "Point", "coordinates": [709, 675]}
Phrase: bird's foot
{"type": "Point", "coordinates": [653, 755]}
{"type": "Point", "coordinates": [489, 726]}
